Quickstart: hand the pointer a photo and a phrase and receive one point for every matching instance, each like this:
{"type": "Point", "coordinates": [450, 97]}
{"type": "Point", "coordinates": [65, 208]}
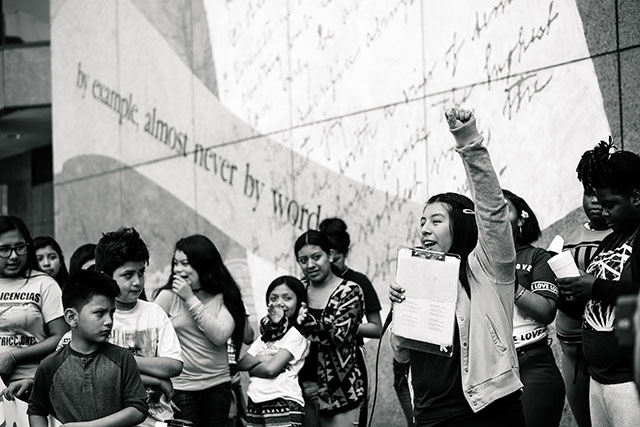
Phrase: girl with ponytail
{"type": "Point", "coordinates": [479, 385]}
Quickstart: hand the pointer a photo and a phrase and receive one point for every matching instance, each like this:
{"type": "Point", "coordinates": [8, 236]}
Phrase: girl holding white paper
{"type": "Point", "coordinates": [613, 271]}
{"type": "Point", "coordinates": [480, 384]}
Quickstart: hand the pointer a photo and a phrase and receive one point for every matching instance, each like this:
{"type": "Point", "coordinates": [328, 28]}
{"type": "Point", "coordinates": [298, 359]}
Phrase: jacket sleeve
{"type": "Point", "coordinates": [495, 250]}
{"type": "Point", "coordinates": [341, 317]}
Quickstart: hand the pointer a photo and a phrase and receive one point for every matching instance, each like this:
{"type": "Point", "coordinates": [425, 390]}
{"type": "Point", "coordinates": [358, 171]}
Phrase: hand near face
{"type": "Point", "coordinates": [182, 287]}
{"type": "Point", "coordinates": [302, 313]}
{"type": "Point", "coordinates": [276, 313]}
{"type": "Point", "coordinates": [579, 287]}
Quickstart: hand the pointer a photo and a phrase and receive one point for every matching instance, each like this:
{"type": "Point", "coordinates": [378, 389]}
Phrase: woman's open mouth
{"type": "Point", "coordinates": [428, 244]}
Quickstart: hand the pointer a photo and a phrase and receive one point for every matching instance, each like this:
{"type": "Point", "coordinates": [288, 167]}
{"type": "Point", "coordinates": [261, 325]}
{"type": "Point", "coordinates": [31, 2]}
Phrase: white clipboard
{"type": "Point", "coordinates": [425, 320]}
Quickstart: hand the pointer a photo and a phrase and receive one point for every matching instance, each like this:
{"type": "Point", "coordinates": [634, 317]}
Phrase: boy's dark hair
{"type": "Point", "coordinates": [44, 241]}
{"type": "Point", "coordinates": [464, 230]}
{"type": "Point", "coordinates": [530, 230]}
{"type": "Point", "coordinates": [312, 237]}
{"type": "Point", "coordinates": [336, 231]}
{"type": "Point", "coordinates": [607, 167]}
{"type": "Point", "coordinates": [84, 285]}
{"type": "Point", "coordinates": [9, 223]}
{"type": "Point", "coordinates": [80, 256]}
{"type": "Point", "coordinates": [118, 247]}
{"type": "Point", "coordinates": [292, 283]}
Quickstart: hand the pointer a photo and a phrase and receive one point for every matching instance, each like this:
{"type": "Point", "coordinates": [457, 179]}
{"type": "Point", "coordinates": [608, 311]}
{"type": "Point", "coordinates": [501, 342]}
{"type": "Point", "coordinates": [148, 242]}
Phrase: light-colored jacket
{"type": "Point", "coordinates": [488, 359]}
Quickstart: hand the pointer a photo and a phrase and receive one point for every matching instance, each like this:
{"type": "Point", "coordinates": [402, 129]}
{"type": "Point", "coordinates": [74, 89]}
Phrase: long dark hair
{"type": "Point", "coordinates": [9, 223]}
{"type": "Point", "coordinates": [607, 167]}
{"type": "Point", "coordinates": [530, 230]}
{"type": "Point", "coordinates": [295, 285]}
{"type": "Point", "coordinates": [214, 278]}
{"type": "Point", "coordinates": [464, 230]}
{"type": "Point", "coordinates": [44, 241]}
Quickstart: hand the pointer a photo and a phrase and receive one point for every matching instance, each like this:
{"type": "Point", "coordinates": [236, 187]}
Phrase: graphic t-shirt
{"type": "Point", "coordinates": [607, 363]}
{"type": "Point", "coordinates": [26, 305]}
{"type": "Point", "coordinates": [534, 274]}
{"type": "Point", "coordinates": [583, 242]}
{"type": "Point", "coordinates": [146, 331]}
{"type": "Point", "coordinates": [286, 384]}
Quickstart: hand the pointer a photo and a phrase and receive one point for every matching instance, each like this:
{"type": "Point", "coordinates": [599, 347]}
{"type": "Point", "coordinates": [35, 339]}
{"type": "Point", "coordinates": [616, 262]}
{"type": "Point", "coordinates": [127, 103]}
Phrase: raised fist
{"type": "Point", "coordinates": [456, 117]}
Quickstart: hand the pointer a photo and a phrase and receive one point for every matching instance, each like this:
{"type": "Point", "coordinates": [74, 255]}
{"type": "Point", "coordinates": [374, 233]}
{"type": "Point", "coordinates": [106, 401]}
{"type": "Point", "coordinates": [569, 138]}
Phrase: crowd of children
{"type": "Point", "coordinates": [84, 346]}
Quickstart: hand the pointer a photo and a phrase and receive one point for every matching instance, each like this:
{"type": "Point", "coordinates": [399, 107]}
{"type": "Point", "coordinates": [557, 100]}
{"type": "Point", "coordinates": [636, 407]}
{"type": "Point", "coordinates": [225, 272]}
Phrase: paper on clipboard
{"type": "Point", "coordinates": [426, 318]}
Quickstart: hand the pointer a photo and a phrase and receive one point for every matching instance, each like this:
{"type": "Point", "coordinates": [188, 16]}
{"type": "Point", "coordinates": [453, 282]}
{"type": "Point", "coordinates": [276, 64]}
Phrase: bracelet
{"type": "Point", "coordinates": [519, 295]}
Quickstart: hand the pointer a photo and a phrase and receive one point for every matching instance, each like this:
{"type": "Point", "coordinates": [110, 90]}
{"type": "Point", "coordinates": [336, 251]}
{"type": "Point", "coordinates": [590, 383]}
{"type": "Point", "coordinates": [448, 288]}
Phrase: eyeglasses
{"type": "Point", "coordinates": [5, 251]}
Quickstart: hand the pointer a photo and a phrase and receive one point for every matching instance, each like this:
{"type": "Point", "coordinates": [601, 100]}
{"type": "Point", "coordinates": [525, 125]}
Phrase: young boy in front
{"type": "Point", "coordinates": [141, 327]}
{"type": "Point", "coordinates": [90, 381]}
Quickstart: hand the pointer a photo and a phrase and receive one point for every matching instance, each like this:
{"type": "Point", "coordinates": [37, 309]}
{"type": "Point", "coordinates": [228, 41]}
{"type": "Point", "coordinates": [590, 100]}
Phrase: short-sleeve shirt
{"type": "Point", "coordinates": [608, 362]}
{"type": "Point", "coordinates": [534, 274]}
{"type": "Point", "coordinates": [146, 331]}
{"type": "Point", "coordinates": [26, 306]}
{"type": "Point", "coordinates": [583, 242]}
{"type": "Point", "coordinates": [285, 385]}
{"type": "Point", "coordinates": [76, 387]}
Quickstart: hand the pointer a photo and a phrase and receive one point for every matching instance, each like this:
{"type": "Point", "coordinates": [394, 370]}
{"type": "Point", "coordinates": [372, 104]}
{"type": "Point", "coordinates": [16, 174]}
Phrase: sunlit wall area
{"type": "Point", "coordinates": [251, 121]}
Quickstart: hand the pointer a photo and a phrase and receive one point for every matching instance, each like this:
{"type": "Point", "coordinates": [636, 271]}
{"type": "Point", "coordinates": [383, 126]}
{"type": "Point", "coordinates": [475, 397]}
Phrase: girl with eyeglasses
{"type": "Point", "coordinates": [31, 315]}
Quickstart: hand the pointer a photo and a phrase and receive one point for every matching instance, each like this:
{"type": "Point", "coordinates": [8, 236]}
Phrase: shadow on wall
{"type": "Point", "coordinates": [125, 197]}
